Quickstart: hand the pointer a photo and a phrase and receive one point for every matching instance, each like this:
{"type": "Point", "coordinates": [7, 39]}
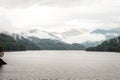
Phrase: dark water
{"type": "Point", "coordinates": [60, 65]}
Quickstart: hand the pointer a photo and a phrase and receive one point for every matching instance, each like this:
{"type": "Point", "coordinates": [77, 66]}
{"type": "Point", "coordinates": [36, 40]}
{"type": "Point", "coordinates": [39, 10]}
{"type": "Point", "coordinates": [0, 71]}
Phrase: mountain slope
{"type": "Point", "coordinates": [112, 45]}
{"type": "Point", "coordinates": [11, 43]}
{"type": "Point", "coordinates": [74, 35]}
{"type": "Point", "coordinates": [39, 34]}
{"type": "Point", "coordinates": [109, 34]}
{"type": "Point", "coordinates": [91, 44]}
{"type": "Point", "coordinates": [15, 42]}
{"type": "Point", "coordinates": [65, 41]}
{"type": "Point", "coordinates": [50, 44]}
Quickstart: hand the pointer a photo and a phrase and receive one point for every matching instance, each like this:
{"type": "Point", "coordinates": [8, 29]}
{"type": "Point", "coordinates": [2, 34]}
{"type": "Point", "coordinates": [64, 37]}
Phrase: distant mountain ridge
{"type": "Point", "coordinates": [16, 42]}
{"type": "Point", "coordinates": [68, 35]}
{"type": "Point", "coordinates": [103, 31]}
{"type": "Point", "coordinates": [39, 34]}
{"type": "Point", "coordinates": [108, 33]}
{"type": "Point", "coordinates": [62, 39]}
{"type": "Point", "coordinates": [50, 44]}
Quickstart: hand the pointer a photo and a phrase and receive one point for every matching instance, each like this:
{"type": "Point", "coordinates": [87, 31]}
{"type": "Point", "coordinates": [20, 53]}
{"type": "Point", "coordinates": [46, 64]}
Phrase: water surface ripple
{"type": "Point", "coordinates": [60, 65]}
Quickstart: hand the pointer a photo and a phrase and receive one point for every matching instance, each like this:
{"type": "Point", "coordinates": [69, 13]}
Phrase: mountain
{"type": "Point", "coordinates": [112, 45]}
{"type": "Point", "coordinates": [103, 31]}
{"type": "Point", "coordinates": [62, 36]}
{"type": "Point", "coordinates": [29, 45]}
{"type": "Point", "coordinates": [108, 33]}
{"type": "Point", "coordinates": [65, 39]}
{"type": "Point", "coordinates": [49, 40]}
{"type": "Point", "coordinates": [50, 44]}
{"type": "Point", "coordinates": [80, 36]}
{"type": "Point", "coordinates": [77, 46]}
{"type": "Point", "coordinates": [16, 43]}
{"type": "Point", "coordinates": [39, 34]}
{"type": "Point", "coordinates": [91, 44]}
{"type": "Point", "coordinates": [74, 39]}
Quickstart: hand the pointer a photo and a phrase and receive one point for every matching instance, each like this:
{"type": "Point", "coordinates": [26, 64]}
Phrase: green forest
{"type": "Point", "coordinates": [49, 44]}
{"type": "Point", "coordinates": [9, 43]}
{"type": "Point", "coordinates": [112, 45]}
{"type": "Point", "coordinates": [17, 43]}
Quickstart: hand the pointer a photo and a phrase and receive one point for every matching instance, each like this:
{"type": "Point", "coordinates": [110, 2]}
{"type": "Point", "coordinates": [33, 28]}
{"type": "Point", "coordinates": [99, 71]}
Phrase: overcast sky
{"type": "Point", "coordinates": [59, 15]}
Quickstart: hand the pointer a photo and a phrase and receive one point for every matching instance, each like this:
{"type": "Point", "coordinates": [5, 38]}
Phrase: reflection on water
{"type": "Point", "coordinates": [60, 65]}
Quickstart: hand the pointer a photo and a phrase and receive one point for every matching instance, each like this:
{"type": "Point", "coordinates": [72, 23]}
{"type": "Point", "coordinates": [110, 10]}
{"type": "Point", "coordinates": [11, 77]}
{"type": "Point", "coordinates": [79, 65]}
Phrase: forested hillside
{"type": "Point", "coordinates": [50, 44]}
{"type": "Point", "coordinates": [112, 45]}
{"type": "Point", "coordinates": [9, 43]}
{"type": "Point", "coordinates": [18, 43]}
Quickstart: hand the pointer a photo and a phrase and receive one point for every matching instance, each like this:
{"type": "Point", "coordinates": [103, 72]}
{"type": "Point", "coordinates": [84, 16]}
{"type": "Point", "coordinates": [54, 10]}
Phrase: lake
{"type": "Point", "coordinates": [60, 65]}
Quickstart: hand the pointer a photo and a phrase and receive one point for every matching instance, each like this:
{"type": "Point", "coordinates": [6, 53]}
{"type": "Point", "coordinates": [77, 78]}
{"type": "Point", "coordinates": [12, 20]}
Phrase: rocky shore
{"type": "Point", "coordinates": [2, 62]}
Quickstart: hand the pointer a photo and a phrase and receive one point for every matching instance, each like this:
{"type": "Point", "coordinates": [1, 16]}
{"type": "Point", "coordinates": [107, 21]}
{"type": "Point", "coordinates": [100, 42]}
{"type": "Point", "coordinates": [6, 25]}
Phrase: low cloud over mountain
{"type": "Point", "coordinates": [67, 20]}
{"type": "Point", "coordinates": [74, 36]}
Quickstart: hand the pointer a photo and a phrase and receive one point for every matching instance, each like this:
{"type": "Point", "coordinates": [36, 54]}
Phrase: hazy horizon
{"type": "Point", "coordinates": [74, 18]}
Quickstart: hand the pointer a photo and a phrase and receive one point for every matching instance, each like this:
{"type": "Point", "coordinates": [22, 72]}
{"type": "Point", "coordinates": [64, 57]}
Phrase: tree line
{"type": "Point", "coordinates": [9, 43]}
{"type": "Point", "coordinates": [112, 45]}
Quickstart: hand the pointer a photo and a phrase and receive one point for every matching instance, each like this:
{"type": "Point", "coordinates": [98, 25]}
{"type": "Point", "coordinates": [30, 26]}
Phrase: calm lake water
{"type": "Point", "coordinates": [60, 65]}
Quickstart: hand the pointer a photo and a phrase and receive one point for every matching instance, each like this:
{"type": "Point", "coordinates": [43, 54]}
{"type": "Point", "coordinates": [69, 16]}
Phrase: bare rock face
{"type": "Point", "coordinates": [2, 62]}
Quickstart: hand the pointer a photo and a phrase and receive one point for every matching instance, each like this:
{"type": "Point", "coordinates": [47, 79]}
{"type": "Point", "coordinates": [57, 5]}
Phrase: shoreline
{"type": "Point", "coordinates": [2, 62]}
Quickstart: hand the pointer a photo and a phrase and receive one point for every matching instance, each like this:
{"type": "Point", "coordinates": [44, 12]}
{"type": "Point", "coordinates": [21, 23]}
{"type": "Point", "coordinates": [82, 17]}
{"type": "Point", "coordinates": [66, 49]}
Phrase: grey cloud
{"type": "Point", "coordinates": [108, 19]}
{"type": "Point", "coordinates": [73, 32]}
{"type": "Point", "coordinates": [17, 3]}
{"type": "Point", "coordinates": [107, 14]}
{"type": "Point", "coordinates": [26, 3]}
{"type": "Point", "coordinates": [5, 24]}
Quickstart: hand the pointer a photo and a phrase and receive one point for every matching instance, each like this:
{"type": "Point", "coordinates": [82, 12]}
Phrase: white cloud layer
{"type": "Point", "coordinates": [59, 15]}
{"type": "Point", "coordinates": [84, 38]}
